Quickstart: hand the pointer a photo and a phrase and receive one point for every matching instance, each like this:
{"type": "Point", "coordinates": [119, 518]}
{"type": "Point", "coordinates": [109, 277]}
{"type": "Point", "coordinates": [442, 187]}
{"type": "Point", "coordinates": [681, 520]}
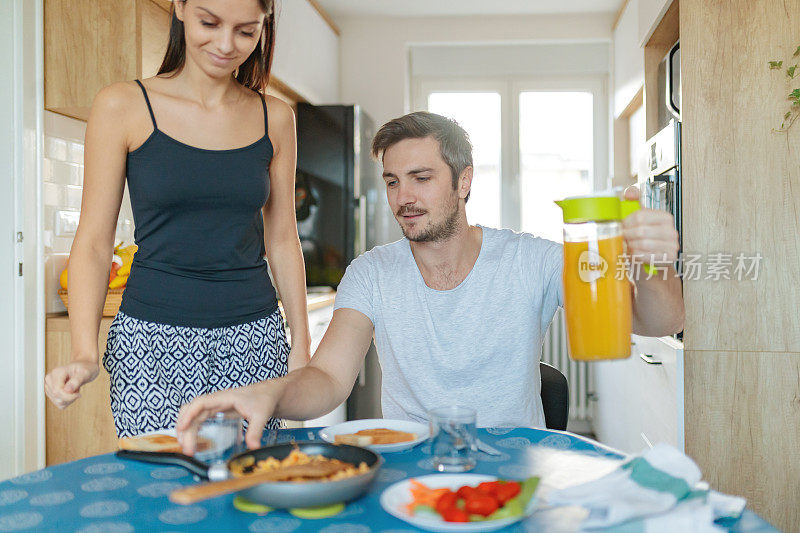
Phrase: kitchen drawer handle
{"type": "Point", "coordinates": [647, 358]}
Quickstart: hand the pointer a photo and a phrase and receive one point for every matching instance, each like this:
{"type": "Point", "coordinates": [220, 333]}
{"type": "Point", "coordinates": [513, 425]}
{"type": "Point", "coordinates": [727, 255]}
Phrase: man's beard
{"type": "Point", "coordinates": [434, 232]}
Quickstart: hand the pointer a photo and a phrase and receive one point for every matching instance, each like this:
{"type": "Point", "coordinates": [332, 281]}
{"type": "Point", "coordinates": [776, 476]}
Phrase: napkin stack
{"type": "Point", "coordinates": [657, 491]}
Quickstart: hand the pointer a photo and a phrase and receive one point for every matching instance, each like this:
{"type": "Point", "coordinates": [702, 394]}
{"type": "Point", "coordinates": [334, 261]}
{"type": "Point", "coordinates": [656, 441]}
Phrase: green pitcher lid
{"type": "Point", "coordinates": [580, 209]}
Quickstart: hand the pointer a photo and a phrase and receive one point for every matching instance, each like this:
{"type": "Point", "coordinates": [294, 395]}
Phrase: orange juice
{"type": "Point", "coordinates": [597, 299]}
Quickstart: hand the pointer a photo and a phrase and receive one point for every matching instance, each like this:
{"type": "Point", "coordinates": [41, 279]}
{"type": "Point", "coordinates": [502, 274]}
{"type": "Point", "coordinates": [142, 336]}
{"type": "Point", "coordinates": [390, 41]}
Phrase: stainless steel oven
{"type": "Point", "coordinates": [660, 173]}
{"type": "Point", "coordinates": [660, 166]}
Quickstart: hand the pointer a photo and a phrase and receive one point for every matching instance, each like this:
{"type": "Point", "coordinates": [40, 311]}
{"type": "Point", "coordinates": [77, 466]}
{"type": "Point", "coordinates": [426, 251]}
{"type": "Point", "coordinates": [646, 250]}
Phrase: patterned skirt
{"type": "Point", "coordinates": [156, 368]}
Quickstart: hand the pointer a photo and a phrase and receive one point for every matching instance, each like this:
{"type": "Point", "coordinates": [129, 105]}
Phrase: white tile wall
{"type": "Point", "coordinates": [62, 173]}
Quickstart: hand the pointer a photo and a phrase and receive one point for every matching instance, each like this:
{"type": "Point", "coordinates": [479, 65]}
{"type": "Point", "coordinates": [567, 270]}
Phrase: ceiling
{"type": "Point", "coordinates": [340, 9]}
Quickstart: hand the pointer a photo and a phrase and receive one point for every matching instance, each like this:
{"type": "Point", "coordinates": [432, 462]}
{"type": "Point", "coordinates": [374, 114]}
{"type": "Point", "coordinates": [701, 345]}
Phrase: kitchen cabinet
{"type": "Point", "coordinates": [89, 44]}
{"type": "Point", "coordinates": [87, 428]}
{"type": "Point", "coordinates": [640, 399]}
{"type": "Point", "coordinates": [318, 321]}
{"type": "Point", "coordinates": [740, 183]}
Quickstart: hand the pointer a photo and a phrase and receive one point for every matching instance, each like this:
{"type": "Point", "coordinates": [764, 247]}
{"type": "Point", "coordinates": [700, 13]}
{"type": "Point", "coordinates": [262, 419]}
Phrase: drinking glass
{"type": "Point", "coordinates": [220, 437]}
{"type": "Point", "coordinates": [453, 437]}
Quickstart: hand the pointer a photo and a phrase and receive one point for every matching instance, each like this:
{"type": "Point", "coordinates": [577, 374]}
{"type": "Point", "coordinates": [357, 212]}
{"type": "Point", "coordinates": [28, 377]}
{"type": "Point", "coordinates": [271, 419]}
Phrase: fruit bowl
{"type": "Point", "coordinates": [111, 306]}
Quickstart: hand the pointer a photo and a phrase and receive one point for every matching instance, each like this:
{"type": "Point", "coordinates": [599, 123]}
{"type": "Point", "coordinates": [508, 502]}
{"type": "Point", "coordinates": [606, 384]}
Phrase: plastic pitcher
{"type": "Point", "coordinates": [597, 290]}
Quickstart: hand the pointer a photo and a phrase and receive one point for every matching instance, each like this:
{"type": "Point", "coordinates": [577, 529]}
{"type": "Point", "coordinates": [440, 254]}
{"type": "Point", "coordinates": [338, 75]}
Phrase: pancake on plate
{"type": "Point", "coordinates": [367, 437]}
{"type": "Point", "coordinates": [157, 442]}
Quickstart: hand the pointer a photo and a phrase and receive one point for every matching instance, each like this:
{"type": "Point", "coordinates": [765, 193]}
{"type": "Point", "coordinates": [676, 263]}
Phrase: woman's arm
{"type": "Point", "coordinates": [280, 230]}
{"type": "Point", "coordinates": [106, 147]}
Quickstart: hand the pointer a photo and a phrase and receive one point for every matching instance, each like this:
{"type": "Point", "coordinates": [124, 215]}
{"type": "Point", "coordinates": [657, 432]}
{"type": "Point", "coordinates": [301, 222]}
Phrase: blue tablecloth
{"type": "Point", "coordinates": [107, 494]}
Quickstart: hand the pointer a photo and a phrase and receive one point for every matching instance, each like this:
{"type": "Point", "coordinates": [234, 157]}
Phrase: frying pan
{"type": "Point", "coordinates": [282, 494]}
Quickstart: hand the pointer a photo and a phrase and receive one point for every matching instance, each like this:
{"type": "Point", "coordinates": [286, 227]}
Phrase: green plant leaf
{"type": "Point", "coordinates": [790, 71]}
{"type": "Point", "coordinates": [774, 65]}
{"type": "Point", "coordinates": [795, 95]}
{"type": "Point", "coordinates": [796, 52]}
{"type": "Point", "coordinates": [786, 116]}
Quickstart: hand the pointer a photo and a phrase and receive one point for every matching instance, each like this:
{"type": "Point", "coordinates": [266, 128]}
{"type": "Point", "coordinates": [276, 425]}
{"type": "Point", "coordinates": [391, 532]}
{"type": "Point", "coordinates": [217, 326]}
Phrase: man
{"type": "Point", "coordinates": [458, 312]}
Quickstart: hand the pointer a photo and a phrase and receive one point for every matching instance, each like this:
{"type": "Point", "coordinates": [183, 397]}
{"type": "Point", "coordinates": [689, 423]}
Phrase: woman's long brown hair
{"type": "Point", "coordinates": [253, 73]}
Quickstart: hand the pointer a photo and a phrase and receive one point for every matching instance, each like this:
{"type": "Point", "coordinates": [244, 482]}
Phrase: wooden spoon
{"type": "Point", "coordinates": [314, 469]}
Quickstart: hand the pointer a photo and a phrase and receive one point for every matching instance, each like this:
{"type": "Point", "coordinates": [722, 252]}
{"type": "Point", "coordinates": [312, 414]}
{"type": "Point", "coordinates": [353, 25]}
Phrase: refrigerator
{"type": "Point", "coordinates": [341, 213]}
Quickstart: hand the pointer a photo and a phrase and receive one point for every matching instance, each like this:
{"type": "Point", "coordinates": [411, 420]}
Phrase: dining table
{"type": "Point", "coordinates": [105, 493]}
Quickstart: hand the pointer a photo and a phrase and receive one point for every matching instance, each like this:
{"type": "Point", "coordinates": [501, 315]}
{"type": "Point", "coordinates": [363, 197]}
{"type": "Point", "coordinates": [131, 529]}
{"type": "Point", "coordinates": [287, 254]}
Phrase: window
{"type": "Point", "coordinates": [479, 114]}
{"type": "Point", "coordinates": [533, 142]}
{"type": "Point", "coordinates": [555, 156]}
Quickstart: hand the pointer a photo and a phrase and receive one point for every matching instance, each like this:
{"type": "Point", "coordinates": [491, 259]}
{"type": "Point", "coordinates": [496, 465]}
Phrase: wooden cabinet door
{"type": "Point", "coordinates": [88, 44]}
{"type": "Point", "coordinates": [153, 35]}
{"type": "Point", "coordinates": [86, 427]}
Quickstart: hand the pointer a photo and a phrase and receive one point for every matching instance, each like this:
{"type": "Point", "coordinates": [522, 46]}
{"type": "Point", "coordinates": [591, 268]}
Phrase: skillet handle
{"type": "Point", "coordinates": [167, 458]}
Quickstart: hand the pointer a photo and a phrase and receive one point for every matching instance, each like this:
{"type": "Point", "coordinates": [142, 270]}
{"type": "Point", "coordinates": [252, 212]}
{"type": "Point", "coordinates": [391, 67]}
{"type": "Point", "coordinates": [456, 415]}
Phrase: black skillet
{"type": "Point", "coordinates": [282, 494]}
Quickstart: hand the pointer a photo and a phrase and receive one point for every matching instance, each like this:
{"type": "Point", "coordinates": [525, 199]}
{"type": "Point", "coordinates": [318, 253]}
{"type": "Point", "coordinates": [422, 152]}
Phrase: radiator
{"type": "Point", "coordinates": [556, 353]}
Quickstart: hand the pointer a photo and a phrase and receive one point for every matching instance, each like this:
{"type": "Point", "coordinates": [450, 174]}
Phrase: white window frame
{"type": "Point", "coordinates": [509, 89]}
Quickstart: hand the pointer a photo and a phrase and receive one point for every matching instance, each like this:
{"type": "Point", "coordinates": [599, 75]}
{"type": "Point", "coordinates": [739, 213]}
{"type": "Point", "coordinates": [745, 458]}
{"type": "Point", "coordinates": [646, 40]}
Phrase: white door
{"type": "Point", "coordinates": [21, 278]}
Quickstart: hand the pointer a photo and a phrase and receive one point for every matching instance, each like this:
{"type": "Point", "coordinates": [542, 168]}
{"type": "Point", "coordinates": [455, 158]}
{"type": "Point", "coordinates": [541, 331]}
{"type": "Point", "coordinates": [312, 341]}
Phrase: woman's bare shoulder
{"type": "Point", "coordinates": [117, 97]}
{"type": "Point", "coordinates": [279, 110]}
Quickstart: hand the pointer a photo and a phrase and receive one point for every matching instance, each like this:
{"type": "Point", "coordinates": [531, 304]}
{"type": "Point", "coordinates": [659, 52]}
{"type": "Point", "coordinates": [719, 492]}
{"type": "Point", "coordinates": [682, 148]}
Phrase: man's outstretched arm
{"type": "Point", "coordinates": [305, 393]}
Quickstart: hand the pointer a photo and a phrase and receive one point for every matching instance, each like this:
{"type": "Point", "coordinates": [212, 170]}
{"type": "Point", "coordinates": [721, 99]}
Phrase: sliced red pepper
{"type": "Point", "coordinates": [483, 505]}
{"type": "Point", "coordinates": [455, 515]}
{"type": "Point", "coordinates": [446, 501]}
{"type": "Point", "coordinates": [506, 491]}
{"type": "Point", "coordinates": [489, 487]}
{"type": "Point", "coordinates": [468, 492]}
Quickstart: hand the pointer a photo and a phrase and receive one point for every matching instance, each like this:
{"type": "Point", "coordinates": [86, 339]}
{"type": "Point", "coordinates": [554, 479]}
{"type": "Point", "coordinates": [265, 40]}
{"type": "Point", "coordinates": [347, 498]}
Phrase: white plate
{"type": "Point", "coordinates": [220, 442]}
{"type": "Point", "coordinates": [329, 433]}
{"type": "Point", "coordinates": [395, 498]}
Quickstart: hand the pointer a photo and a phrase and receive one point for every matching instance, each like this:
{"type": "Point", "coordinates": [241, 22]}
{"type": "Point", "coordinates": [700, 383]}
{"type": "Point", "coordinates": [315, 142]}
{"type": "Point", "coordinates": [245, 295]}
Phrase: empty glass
{"type": "Point", "coordinates": [453, 437]}
{"type": "Point", "coordinates": [220, 437]}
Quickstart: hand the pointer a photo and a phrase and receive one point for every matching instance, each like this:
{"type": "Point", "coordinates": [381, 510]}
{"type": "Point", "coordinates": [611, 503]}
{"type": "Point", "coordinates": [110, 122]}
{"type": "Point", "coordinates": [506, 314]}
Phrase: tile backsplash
{"type": "Point", "coordinates": [62, 173]}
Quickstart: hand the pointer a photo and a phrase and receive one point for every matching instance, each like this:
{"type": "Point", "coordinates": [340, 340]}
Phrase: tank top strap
{"type": "Point", "coordinates": [264, 105]}
{"type": "Point", "coordinates": [149, 107]}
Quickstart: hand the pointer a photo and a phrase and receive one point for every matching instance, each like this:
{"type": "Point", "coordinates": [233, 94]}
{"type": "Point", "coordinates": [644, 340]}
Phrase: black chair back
{"type": "Point", "coordinates": [555, 397]}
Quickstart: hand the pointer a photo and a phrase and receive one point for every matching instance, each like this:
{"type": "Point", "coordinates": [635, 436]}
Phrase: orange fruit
{"type": "Point", "coordinates": [63, 279]}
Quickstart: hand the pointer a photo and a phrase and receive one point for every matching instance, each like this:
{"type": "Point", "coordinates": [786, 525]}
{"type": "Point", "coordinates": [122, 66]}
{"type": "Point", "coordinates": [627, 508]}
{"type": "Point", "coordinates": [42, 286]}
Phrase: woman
{"type": "Point", "coordinates": [210, 167]}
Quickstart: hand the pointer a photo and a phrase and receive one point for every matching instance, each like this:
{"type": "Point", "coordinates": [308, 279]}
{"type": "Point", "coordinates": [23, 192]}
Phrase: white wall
{"type": "Point", "coordinates": [375, 50]}
{"type": "Point", "coordinates": [650, 14]}
{"type": "Point", "coordinates": [62, 188]}
{"type": "Point", "coordinates": [628, 58]}
{"type": "Point", "coordinates": [505, 60]}
{"type": "Point", "coordinates": [306, 52]}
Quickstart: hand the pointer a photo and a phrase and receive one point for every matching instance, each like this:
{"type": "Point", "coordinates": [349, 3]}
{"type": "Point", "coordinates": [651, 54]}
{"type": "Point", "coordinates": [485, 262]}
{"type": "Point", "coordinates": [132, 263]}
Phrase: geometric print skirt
{"type": "Point", "coordinates": [155, 368]}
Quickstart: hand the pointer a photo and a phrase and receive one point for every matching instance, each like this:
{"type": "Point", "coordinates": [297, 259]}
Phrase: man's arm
{"type": "Point", "coordinates": [658, 301]}
{"type": "Point", "coordinates": [305, 393]}
{"type": "Point", "coordinates": [658, 304]}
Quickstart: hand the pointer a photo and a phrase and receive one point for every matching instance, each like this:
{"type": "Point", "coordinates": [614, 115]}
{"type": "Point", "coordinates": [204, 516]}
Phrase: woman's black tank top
{"type": "Point", "coordinates": [200, 232]}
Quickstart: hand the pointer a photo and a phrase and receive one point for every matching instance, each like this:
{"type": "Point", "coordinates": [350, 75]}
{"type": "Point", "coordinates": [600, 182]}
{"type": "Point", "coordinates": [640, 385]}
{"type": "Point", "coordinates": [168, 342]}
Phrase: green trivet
{"type": "Point", "coordinates": [315, 513]}
{"type": "Point", "coordinates": [247, 506]}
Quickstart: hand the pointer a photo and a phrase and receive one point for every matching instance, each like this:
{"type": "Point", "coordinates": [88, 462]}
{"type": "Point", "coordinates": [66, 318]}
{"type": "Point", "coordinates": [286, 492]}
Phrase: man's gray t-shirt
{"type": "Point", "coordinates": [476, 345]}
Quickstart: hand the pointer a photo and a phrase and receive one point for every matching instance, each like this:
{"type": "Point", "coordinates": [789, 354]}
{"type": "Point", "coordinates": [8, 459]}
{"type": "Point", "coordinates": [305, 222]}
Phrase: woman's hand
{"type": "Point", "coordinates": [255, 403]}
{"type": "Point", "coordinates": [63, 384]}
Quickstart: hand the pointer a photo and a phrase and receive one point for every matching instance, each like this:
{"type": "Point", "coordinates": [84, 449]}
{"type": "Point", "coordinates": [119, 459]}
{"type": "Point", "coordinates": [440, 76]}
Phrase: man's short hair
{"type": "Point", "coordinates": [454, 145]}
